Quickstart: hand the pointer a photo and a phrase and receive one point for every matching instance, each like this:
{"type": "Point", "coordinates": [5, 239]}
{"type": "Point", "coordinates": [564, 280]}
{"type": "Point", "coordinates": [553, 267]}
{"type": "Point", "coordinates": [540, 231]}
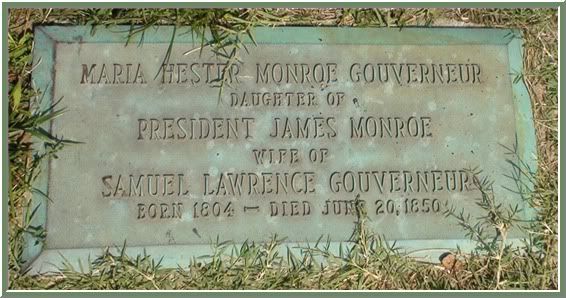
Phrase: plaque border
{"type": "Point", "coordinates": [39, 259]}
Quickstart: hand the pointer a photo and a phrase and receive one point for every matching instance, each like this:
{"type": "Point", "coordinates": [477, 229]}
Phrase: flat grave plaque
{"type": "Point", "coordinates": [308, 121]}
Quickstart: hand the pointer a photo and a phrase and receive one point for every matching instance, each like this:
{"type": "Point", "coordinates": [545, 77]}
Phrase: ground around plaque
{"type": "Point", "coordinates": [372, 263]}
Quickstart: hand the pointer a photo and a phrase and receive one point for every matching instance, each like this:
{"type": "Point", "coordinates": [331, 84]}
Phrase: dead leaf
{"type": "Point", "coordinates": [451, 263]}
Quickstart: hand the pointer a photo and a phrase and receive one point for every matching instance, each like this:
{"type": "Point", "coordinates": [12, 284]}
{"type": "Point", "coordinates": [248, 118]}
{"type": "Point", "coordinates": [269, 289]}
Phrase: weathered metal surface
{"type": "Point", "coordinates": [309, 121]}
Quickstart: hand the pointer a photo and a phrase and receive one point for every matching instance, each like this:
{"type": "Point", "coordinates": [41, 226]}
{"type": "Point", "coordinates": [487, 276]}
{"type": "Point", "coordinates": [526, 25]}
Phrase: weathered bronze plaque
{"type": "Point", "coordinates": [307, 122]}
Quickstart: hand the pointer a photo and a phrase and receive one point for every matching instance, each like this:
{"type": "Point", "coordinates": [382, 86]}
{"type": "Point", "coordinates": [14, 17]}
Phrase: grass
{"type": "Point", "coordinates": [370, 263]}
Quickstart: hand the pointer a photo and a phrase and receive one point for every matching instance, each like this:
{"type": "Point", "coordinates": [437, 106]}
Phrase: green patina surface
{"type": "Point", "coordinates": [475, 126]}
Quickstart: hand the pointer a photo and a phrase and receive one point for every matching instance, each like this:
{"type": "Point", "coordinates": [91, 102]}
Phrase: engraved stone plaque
{"type": "Point", "coordinates": [181, 145]}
